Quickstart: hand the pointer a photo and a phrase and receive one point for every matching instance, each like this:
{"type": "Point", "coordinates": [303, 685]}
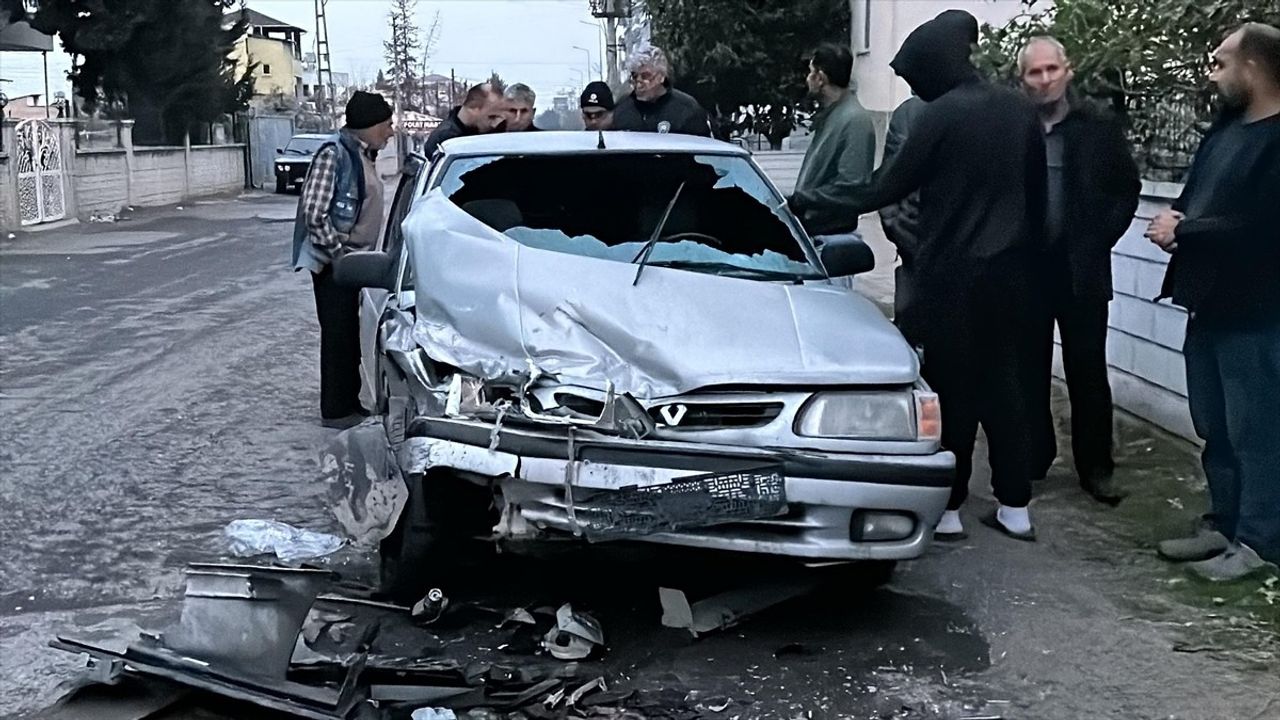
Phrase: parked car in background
{"type": "Point", "coordinates": [629, 336]}
{"type": "Point", "coordinates": [295, 160]}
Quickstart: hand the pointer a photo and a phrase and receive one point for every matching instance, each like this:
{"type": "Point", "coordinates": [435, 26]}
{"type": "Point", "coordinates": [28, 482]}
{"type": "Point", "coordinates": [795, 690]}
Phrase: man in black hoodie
{"type": "Point", "coordinates": [976, 155]}
{"type": "Point", "coordinates": [1224, 237]}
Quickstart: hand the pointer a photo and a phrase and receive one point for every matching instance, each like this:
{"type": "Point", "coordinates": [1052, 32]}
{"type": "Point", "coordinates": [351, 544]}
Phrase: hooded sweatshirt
{"type": "Point", "coordinates": [976, 155]}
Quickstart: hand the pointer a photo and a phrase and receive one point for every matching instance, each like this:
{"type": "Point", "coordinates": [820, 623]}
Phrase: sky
{"type": "Point", "coordinates": [529, 41]}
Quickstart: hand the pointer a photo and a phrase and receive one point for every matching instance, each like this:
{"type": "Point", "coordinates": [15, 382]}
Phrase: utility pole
{"type": "Point", "coordinates": [324, 70]}
{"type": "Point", "coordinates": [611, 11]}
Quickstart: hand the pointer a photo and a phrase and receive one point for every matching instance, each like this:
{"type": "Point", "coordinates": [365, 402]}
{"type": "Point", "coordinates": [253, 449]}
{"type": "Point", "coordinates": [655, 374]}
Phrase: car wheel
{"type": "Point", "coordinates": [282, 185]}
{"type": "Point", "coordinates": [433, 544]}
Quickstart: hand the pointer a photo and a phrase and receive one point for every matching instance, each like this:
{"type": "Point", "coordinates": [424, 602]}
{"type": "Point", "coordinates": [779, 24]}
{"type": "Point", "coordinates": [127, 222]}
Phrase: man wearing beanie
{"type": "Point", "coordinates": [341, 211]}
{"type": "Point", "coordinates": [597, 106]}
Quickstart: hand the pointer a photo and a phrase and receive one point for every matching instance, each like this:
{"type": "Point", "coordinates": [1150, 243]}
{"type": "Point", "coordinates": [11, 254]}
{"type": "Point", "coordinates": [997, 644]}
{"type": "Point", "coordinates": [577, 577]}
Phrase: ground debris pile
{"type": "Point", "coordinates": [274, 637]}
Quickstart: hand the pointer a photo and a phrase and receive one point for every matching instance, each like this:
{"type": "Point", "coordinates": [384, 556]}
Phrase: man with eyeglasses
{"type": "Point", "coordinates": [654, 105]}
{"type": "Point", "coordinates": [597, 106]}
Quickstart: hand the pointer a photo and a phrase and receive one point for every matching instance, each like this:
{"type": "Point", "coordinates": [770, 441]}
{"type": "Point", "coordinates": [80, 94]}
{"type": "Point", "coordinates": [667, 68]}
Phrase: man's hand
{"type": "Point", "coordinates": [1163, 228]}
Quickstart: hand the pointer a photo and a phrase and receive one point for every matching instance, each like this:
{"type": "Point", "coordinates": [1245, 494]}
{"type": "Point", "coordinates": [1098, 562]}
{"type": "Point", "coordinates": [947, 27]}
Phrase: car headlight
{"type": "Point", "coordinates": [883, 415]}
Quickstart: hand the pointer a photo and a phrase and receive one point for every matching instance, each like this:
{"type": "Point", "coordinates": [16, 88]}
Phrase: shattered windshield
{"type": "Point", "coordinates": [726, 221]}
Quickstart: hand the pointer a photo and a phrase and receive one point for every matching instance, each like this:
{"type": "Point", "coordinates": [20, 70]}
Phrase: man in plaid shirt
{"type": "Point", "coordinates": [341, 210]}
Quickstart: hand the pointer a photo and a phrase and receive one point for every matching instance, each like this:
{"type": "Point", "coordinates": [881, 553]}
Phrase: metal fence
{"type": "Point", "coordinates": [1165, 132]}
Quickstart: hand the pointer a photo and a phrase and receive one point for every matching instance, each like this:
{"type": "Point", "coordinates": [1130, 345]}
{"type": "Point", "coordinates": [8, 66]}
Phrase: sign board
{"type": "Point", "coordinates": [416, 123]}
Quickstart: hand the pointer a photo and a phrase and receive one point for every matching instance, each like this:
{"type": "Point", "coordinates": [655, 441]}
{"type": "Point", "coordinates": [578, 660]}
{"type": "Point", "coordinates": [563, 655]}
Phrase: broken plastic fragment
{"type": "Point", "coordinates": [433, 714]}
{"type": "Point", "coordinates": [575, 635]}
{"type": "Point", "coordinates": [290, 544]}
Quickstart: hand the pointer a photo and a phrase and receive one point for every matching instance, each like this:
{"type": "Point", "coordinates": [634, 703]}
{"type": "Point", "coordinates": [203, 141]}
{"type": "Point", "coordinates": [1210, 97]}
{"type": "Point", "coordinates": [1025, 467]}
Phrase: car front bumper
{"type": "Point", "coordinates": [823, 490]}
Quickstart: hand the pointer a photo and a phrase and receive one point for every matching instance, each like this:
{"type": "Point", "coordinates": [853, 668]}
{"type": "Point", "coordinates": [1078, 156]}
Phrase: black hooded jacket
{"type": "Point", "coordinates": [976, 155]}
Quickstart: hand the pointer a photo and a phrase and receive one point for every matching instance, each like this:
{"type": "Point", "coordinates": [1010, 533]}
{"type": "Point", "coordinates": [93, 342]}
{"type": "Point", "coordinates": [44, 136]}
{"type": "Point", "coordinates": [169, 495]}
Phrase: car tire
{"type": "Point", "coordinates": [433, 544]}
{"type": "Point", "coordinates": [282, 185]}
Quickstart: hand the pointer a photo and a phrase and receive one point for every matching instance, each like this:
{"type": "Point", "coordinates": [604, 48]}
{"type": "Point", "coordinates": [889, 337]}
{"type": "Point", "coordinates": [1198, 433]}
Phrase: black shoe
{"type": "Point", "coordinates": [991, 520]}
{"type": "Point", "coordinates": [1103, 489]}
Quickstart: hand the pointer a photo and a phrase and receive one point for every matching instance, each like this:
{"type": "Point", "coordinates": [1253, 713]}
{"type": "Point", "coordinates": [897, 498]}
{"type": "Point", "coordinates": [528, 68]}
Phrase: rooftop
{"type": "Point", "coordinates": [258, 20]}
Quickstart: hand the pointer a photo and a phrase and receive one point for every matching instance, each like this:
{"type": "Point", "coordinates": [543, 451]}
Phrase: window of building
{"type": "Point", "coordinates": [266, 69]}
{"type": "Point", "coordinates": [861, 26]}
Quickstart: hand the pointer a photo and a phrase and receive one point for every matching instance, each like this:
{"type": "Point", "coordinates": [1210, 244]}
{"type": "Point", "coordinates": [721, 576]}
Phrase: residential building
{"type": "Point", "coordinates": [276, 47]}
{"type": "Point", "coordinates": [880, 26]}
{"type": "Point", "coordinates": [311, 80]}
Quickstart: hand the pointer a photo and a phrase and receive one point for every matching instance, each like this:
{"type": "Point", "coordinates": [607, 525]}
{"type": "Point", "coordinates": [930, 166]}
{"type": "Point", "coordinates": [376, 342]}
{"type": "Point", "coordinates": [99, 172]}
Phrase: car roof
{"type": "Point", "coordinates": [554, 142]}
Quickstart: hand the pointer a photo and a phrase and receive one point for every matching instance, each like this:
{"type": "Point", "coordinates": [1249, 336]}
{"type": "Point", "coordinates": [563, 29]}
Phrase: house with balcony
{"type": "Point", "coordinates": [276, 47]}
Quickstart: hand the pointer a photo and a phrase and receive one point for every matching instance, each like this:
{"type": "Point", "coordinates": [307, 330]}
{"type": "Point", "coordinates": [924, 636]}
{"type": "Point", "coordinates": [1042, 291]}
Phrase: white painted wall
{"type": "Point", "coordinates": [890, 22]}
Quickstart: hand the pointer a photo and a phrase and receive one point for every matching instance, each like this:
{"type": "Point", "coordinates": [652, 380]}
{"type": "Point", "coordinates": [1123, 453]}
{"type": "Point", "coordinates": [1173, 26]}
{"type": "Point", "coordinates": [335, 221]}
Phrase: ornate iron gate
{"type": "Point", "coordinates": [40, 197]}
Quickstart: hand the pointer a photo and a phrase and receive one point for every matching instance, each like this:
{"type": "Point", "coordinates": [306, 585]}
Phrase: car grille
{"type": "Point", "coordinates": [691, 415]}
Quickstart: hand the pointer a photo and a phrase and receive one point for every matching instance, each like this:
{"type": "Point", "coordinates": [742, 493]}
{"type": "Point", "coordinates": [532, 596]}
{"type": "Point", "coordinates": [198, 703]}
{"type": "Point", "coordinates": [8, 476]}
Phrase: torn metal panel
{"type": "Point", "coordinates": [729, 608]}
{"type": "Point", "coordinates": [244, 617]}
{"type": "Point", "coordinates": [319, 704]}
{"type": "Point", "coordinates": [578, 318]}
{"type": "Point", "coordinates": [365, 489]}
{"type": "Point", "coordinates": [418, 454]}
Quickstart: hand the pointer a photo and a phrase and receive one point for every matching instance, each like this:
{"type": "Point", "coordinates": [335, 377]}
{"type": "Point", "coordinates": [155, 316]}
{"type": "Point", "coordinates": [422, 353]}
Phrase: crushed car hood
{"type": "Point", "coordinates": [493, 308]}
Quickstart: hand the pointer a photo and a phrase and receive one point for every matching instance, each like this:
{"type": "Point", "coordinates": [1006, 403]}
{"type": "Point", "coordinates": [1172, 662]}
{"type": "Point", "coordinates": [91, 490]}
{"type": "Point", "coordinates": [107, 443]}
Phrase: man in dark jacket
{"type": "Point", "coordinates": [483, 110]}
{"type": "Point", "coordinates": [901, 223]}
{"type": "Point", "coordinates": [976, 155]}
{"type": "Point", "coordinates": [1093, 193]}
{"type": "Point", "coordinates": [654, 105]}
{"type": "Point", "coordinates": [1224, 234]}
{"type": "Point", "coordinates": [842, 151]}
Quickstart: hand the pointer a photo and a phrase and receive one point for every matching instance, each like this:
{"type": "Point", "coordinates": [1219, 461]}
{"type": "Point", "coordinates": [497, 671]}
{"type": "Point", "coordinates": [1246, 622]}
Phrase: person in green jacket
{"type": "Point", "coordinates": [842, 152]}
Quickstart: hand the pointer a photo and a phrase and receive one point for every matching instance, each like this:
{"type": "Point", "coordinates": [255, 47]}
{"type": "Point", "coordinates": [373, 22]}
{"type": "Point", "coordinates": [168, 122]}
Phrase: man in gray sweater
{"type": "Point", "coordinates": [842, 153]}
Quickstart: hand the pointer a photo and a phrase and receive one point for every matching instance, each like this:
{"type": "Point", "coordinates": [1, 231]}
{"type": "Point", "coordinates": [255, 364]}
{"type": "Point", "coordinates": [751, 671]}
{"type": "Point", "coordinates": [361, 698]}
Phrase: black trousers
{"type": "Point", "coordinates": [976, 354]}
{"type": "Point", "coordinates": [338, 309]}
{"type": "Point", "coordinates": [1082, 326]}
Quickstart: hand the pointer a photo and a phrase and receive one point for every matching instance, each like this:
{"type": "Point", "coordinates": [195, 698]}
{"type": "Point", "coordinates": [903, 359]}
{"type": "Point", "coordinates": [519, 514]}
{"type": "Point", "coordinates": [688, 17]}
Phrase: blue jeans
{"type": "Point", "coordinates": [1233, 387]}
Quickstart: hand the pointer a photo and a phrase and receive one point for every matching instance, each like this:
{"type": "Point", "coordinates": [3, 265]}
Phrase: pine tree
{"type": "Point", "coordinates": [401, 51]}
{"type": "Point", "coordinates": [167, 63]}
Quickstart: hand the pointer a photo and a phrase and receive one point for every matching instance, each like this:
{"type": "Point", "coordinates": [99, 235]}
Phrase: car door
{"type": "Point", "coordinates": [374, 301]}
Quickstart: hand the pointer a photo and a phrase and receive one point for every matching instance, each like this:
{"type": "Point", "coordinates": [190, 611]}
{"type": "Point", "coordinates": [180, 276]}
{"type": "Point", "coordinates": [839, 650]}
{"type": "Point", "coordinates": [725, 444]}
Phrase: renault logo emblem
{"type": "Point", "coordinates": [673, 414]}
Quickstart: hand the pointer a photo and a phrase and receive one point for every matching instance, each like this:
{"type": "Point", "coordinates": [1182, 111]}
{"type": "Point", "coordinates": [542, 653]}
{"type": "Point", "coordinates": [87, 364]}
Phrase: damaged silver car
{"type": "Point", "coordinates": [627, 336]}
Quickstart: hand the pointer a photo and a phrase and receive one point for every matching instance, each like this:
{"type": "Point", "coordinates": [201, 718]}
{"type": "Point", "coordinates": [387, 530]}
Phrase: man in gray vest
{"type": "Point", "coordinates": [341, 211]}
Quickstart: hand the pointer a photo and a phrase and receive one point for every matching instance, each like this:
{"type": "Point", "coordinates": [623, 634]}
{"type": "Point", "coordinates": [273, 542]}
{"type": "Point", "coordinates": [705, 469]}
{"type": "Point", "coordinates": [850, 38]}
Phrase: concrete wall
{"type": "Point", "coordinates": [1144, 345]}
{"type": "Point", "coordinates": [101, 181]}
{"type": "Point", "coordinates": [107, 181]}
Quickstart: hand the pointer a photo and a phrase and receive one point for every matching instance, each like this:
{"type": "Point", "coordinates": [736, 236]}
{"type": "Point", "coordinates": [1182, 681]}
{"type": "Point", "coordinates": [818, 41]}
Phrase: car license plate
{"type": "Point", "coordinates": [689, 502]}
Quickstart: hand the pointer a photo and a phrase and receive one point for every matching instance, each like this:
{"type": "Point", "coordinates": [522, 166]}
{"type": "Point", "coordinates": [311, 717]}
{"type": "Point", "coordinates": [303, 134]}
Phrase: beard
{"type": "Point", "coordinates": [1233, 98]}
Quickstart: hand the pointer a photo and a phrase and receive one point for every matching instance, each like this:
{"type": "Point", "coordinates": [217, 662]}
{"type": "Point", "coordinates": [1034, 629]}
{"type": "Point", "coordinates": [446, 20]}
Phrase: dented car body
{"type": "Point", "coordinates": [629, 335]}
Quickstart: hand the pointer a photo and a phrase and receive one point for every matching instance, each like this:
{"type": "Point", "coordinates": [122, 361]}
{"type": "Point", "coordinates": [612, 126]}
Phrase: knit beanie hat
{"type": "Point", "coordinates": [366, 109]}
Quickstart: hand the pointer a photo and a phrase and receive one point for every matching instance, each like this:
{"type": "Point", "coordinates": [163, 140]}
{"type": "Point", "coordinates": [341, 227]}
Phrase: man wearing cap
{"type": "Point", "coordinates": [597, 106]}
{"type": "Point", "coordinates": [341, 211]}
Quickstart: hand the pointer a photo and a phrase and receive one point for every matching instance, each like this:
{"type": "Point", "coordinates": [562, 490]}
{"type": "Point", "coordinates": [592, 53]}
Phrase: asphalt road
{"type": "Point", "coordinates": [158, 380]}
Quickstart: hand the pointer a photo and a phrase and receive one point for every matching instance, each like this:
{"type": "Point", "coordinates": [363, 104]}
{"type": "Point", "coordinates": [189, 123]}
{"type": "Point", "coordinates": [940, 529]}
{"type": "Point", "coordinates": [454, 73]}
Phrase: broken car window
{"type": "Point", "coordinates": [606, 206]}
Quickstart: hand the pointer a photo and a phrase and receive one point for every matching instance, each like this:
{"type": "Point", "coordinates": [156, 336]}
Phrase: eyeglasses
{"type": "Point", "coordinates": [645, 76]}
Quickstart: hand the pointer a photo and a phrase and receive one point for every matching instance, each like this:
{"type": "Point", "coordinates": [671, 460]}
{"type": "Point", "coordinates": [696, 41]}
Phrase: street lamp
{"type": "Point", "coordinates": [581, 78]}
{"type": "Point", "coordinates": [599, 29]}
{"type": "Point", "coordinates": [588, 52]}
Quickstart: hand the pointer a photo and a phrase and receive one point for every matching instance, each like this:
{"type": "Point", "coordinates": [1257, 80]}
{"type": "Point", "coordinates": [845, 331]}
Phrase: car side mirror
{"type": "Point", "coordinates": [279, 151]}
{"type": "Point", "coordinates": [366, 270]}
{"type": "Point", "coordinates": [845, 255]}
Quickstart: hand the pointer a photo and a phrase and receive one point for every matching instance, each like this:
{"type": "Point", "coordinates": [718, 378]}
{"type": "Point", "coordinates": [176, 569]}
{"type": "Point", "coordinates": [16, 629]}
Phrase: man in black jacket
{"type": "Point", "coordinates": [1224, 234]}
{"type": "Point", "coordinates": [654, 105]}
{"type": "Point", "coordinates": [482, 111]}
{"type": "Point", "coordinates": [975, 153]}
{"type": "Point", "coordinates": [1093, 193]}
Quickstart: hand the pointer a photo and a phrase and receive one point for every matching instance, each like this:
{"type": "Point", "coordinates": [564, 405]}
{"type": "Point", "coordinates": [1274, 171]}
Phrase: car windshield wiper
{"type": "Point", "coordinates": [731, 270]}
{"type": "Point", "coordinates": [643, 256]}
